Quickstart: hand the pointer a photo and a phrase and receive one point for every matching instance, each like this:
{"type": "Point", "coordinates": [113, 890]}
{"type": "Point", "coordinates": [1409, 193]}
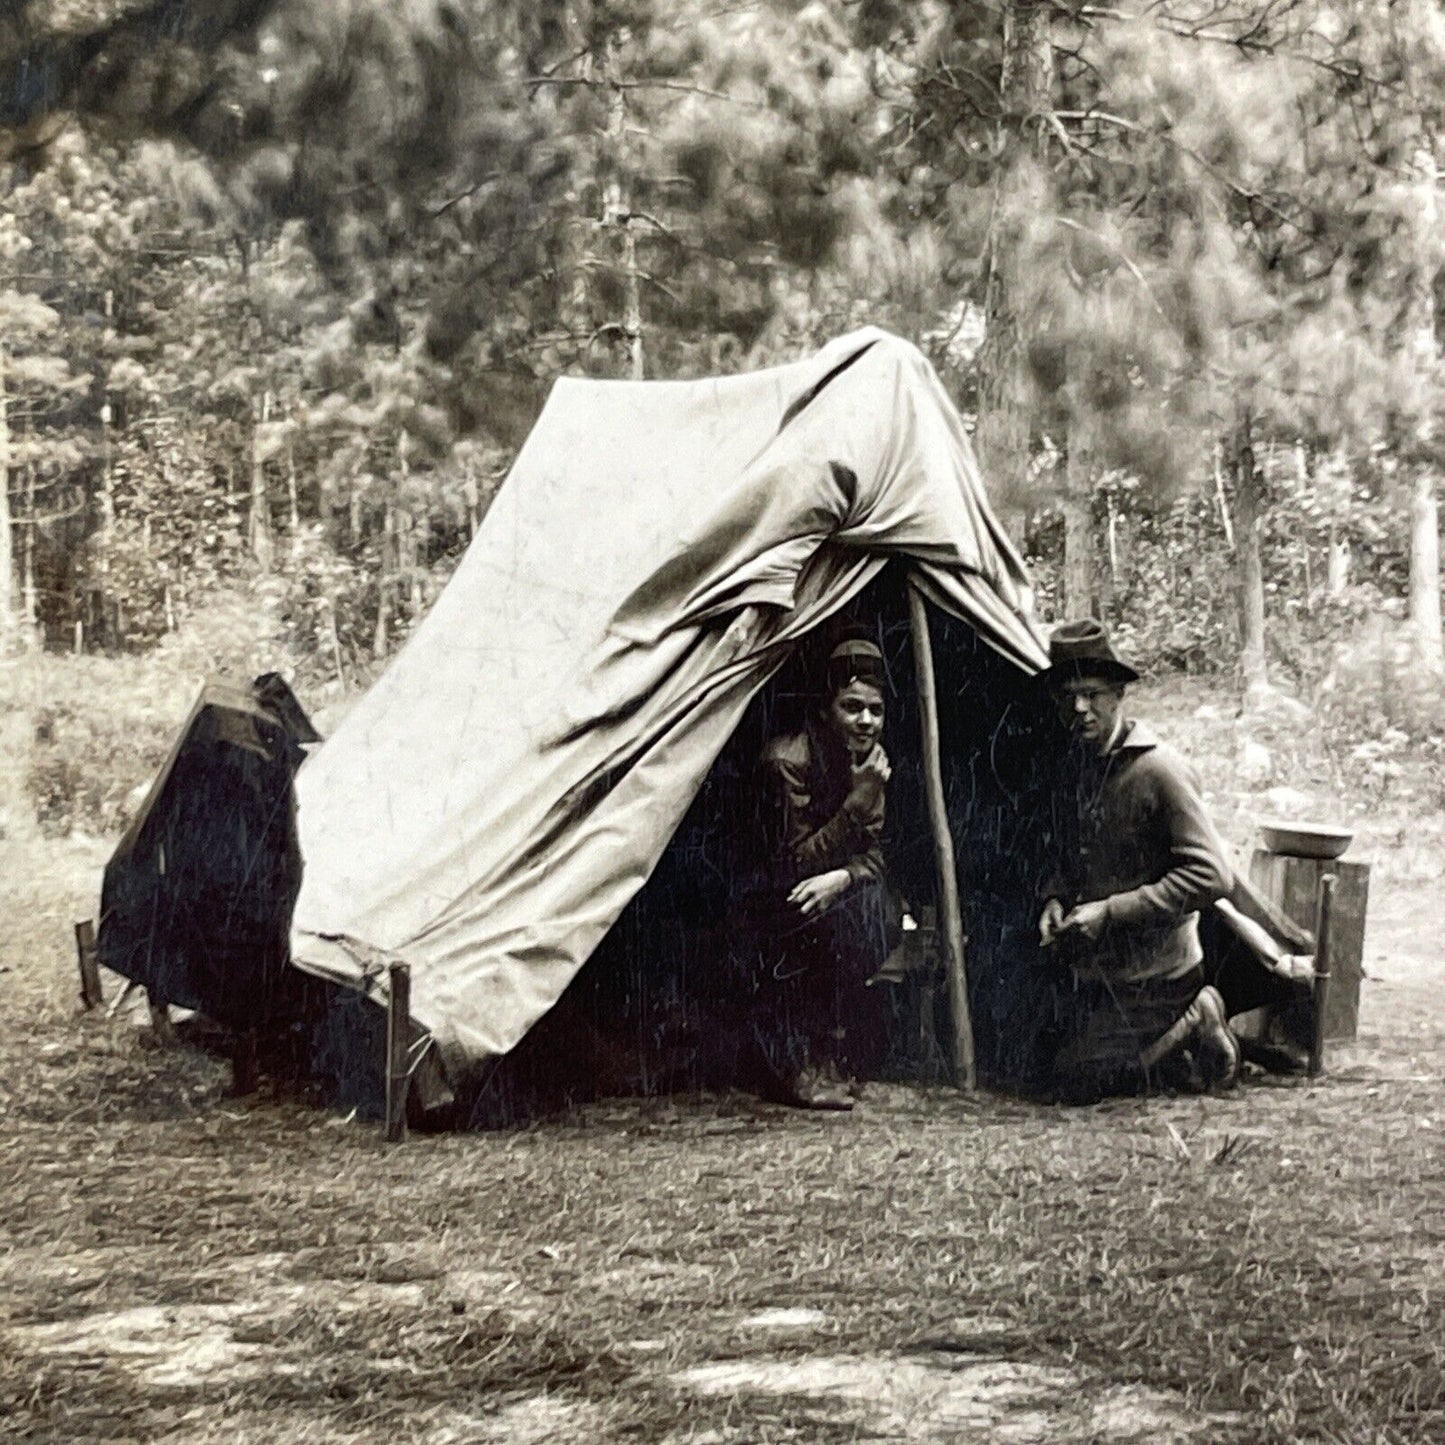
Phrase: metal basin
{"type": "Point", "coordinates": [1305, 840]}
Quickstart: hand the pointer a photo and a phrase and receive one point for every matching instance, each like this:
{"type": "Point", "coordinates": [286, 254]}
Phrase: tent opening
{"type": "Point", "coordinates": [649, 1012]}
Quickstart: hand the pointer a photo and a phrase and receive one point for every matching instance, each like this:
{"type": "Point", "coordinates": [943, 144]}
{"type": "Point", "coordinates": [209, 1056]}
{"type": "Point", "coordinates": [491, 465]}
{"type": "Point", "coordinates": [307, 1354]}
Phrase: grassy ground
{"type": "Point", "coordinates": [178, 1265]}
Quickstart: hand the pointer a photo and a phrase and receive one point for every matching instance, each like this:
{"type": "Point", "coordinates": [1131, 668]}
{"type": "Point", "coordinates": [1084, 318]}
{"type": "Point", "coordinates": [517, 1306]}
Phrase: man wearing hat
{"type": "Point", "coordinates": [1138, 860]}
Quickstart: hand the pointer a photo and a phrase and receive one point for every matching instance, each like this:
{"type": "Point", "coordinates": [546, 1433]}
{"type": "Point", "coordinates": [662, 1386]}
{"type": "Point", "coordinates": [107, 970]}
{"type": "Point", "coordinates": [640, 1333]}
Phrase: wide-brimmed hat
{"type": "Point", "coordinates": [1083, 649]}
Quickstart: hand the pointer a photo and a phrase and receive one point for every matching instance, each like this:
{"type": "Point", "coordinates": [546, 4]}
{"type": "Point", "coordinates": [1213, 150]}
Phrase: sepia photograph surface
{"type": "Point", "coordinates": [722, 722]}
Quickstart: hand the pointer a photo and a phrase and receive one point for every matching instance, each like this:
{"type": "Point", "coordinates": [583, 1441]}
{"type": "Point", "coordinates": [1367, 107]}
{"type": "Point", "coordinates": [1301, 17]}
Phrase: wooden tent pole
{"type": "Point", "coordinates": [398, 1053]}
{"type": "Point", "coordinates": [950, 912]}
{"type": "Point", "coordinates": [91, 995]}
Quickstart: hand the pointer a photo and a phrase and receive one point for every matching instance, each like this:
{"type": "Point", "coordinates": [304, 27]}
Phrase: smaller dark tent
{"type": "Point", "coordinates": [197, 898]}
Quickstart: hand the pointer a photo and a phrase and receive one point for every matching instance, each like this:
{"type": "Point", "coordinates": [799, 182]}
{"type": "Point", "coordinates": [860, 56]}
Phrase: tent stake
{"type": "Point", "coordinates": [950, 913]}
{"type": "Point", "coordinates": [1322, 974]}
{"type": "Point", "coordinates": [90, 990]}
{"type": "Point", "coordinates": [398, 1074]}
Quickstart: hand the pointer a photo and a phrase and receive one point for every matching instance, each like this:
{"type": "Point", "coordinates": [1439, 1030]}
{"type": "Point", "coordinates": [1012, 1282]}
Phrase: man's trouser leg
{"type": "Point", "coordinates": [854, 938]}
{"type": "Point", "coordinates": [1113, 1024]}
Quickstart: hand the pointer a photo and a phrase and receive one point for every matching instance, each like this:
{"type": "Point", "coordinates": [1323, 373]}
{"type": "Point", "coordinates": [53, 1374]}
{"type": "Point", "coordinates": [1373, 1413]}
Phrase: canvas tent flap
{"type": "Point", "coordinates": [490, 806]}
{"type": "Point", "coordinates": [196, 899]}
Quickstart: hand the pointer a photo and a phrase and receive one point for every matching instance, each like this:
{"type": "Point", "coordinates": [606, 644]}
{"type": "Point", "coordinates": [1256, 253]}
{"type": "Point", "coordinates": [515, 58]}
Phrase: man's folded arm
{"type": "Point", "coordinates": [838, 843]}
{"type": "Point", "coordinates": [1198, 872]}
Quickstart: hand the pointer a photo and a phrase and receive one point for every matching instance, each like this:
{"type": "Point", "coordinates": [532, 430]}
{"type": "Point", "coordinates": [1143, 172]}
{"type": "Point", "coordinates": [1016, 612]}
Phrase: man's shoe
{"type": "Point", "coordinates": [1211, 1040]}
{"type": "Point", "coordinates": [1274, 1058]}
{"type": "Point", "coordinates": [815, 1089]}
{"type": "Point", "coordinates": [800, 1088]}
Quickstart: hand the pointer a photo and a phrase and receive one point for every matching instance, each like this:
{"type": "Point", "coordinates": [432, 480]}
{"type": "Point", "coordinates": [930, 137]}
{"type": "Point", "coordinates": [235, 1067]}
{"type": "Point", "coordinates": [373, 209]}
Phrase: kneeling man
{"type": "Point", "coordinates": [1138, 859]}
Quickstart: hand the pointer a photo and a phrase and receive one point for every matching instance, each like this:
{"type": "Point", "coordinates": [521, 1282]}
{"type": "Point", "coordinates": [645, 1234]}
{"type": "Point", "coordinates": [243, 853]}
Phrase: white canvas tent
{"type": "Point", "coordinates": [489, 808]}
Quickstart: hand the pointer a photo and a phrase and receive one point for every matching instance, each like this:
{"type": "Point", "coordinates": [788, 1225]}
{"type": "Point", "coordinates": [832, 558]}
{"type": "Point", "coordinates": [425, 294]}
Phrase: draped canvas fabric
{"type": "Point", "coordinates": [488, 809]}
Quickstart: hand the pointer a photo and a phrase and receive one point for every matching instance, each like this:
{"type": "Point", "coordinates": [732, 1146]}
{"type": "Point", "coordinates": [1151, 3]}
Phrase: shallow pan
{"type": "Point", "coordinates": [1305, 840]}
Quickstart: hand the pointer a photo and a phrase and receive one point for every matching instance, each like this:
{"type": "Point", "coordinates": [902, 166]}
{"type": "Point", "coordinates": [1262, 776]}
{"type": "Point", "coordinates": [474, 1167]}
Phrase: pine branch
{"type": "Point", "coordinates": [597, 83]}
{"type": "Point", "coordinates": [656, 224]}
{"type": "Point", "coordinates": [1124, 259]}
{"type": "Point", "coordinates": [1237, 187]}
{"type": "Point", "coordinates": [46, 74]}
{"type": "Point", "coordinates": [550, 71]}
{"type": "Point", "coordinates": [660, 285]}
{"type": "Point", "coordinates": [467, 194]}
{"type": "Point", "coordinates": [43, 519]}
{"type": "Point", "coordinates": [1251, 42]}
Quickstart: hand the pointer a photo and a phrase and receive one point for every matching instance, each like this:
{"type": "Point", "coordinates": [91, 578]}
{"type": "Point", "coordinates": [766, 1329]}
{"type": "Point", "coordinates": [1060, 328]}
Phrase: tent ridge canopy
{"type": "Point", "coordinates": [652, 557]}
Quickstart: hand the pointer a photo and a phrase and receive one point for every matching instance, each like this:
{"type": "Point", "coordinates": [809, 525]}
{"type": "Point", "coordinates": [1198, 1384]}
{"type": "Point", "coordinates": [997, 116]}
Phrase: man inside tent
{"type": "Point", "coordinates": [1139, 859]}
{"type": "Point", "coordinates": [821, 917]}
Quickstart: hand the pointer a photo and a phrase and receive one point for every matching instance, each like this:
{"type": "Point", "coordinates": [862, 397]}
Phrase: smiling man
{"type": "Point", "coordinates": [824, 917]}
{"type": "Point", "coordinates": [1138, 859]}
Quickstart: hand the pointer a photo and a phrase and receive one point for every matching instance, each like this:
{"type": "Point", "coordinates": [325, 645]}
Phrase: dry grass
{"type": "Point", "coordinates": [1275, 1257]}
{"type": "Point", "coordinates": [1276, 1254]}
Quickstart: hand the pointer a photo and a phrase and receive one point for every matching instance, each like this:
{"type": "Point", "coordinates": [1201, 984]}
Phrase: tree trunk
{"type": "Point", "coordinates": [1422, 344]}
{"type": "Point", "coordinates": [634, 300]}
{"type": "Point", "coordinates": [1250, 573]}
{"type": "Point", "coordinates": [407, 583]}
{"type": "Point", "coordinates": [107, 489]}
{"type": "Point", "coordinates": [419, 536]}
{"type": "Point", "coordinates": [1077, 507]}
{"type": "Point", "coordinates": [1425, 575]}
{"type": "Point", "coordinates": [333, 639]}
{"type": "Point", "coordinates": [1026, 87]}
{"type": "Point", "coordinates": [619, 214]}
{"type": "Point", "coordinates": [472, 497]}
{"type": "Point", "coordinates": [1108, 600]}
{"type": "Point", "coordinates": [103, 542]}
{"type": "Point", "coordinates": [258, 518]}
{"type": "Point", "coordinates": [383, 614]}
{"type": "Point", "coordinates": [1303, 480]}
{"type": "Point", "coordinates": [383, 586]}
{"type": "Point", "coordinates": [1224, 516]}
{"type": "Point", "coordinates": [7, 536]}
{"type": "Point", "coordinates": [1337, 573]}
{"type": "Point", "coordinates": [574, 304]}
{"type": "Point", "coordinates": [294, 499]}
{"type": "Point", "coordinates": [1425, 349]}
{"type": "Point", "coordinates": [1078, 558]}
{"type": "Point", "coordinates": [30, 595]}
{"type": "Point", "coordinates": [404, 523]}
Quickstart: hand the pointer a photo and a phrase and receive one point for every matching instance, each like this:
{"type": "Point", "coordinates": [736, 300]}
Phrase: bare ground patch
{"type": "Point", "coordinates": [944, 1396]}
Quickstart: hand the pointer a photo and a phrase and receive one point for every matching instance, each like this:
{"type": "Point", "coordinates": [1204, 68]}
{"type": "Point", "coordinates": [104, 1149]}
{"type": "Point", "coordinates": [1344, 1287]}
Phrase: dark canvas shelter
{"type": "Point", "coordinates": [197, 898]}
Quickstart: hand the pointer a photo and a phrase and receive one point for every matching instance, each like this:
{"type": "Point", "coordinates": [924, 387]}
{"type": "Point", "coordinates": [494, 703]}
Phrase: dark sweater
{"type": "Point", "coordinates": [819, 823]}
{"type": "Point", "coordinates": [1147, 847]}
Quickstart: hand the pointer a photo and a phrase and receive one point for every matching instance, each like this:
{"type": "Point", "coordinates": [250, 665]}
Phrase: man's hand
{"type": "Point", "coordinates": [817, 894]}
{"type": "Point", "coordinates": [1088, 919]}
{"type": "Point", "coordinates": [1049, 921]}
{"type": "Point", "coordinates": [870, 779]}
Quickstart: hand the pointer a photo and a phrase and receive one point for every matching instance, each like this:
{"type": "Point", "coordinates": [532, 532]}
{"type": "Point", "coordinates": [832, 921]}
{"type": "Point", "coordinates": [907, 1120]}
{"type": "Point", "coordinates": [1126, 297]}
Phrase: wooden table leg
{"type": "Point", "coordinates": [1322, 975]}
